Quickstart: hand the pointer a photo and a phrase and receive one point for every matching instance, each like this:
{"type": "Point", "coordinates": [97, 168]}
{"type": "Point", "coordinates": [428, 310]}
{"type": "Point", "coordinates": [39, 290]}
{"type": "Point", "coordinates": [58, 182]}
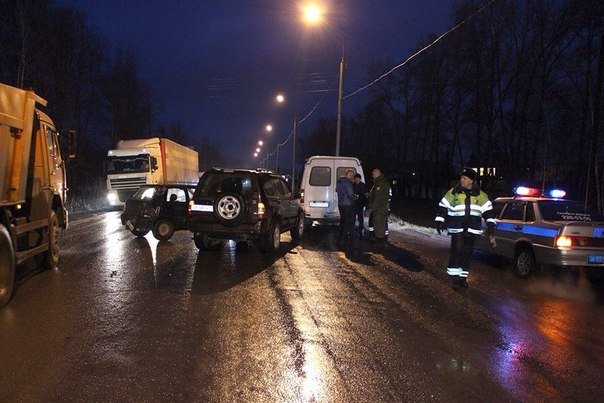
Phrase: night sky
{"type": "Point", "coordinates": [216, 66]}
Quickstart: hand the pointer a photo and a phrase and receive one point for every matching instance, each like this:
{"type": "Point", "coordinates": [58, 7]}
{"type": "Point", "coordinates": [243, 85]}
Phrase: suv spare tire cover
{"type": "Point", "coordinates": [229, 208]}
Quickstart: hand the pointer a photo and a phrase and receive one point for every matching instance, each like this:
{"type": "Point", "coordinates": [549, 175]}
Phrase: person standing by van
{"type": "Point", "coordinates": [360, 201]}
{"type": "Point", "coordinates": [378, 204]}
{"type": "Point", "coordinates": [345, 192]}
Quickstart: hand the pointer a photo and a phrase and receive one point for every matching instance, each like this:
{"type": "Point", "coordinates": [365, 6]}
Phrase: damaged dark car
{"type": "Point", "coordinates": [161, 209]}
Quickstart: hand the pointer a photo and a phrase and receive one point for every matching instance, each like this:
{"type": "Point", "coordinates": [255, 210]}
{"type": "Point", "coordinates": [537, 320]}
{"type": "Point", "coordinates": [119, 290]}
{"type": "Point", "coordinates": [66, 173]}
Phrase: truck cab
{"type": "Point", "coordinates": [33, 186]}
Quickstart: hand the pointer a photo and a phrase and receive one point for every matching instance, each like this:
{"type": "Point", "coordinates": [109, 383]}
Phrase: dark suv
{"type": "Point", "coordinates": [158, 208]}
{"type": "Point", "coordinates": [243, 204]}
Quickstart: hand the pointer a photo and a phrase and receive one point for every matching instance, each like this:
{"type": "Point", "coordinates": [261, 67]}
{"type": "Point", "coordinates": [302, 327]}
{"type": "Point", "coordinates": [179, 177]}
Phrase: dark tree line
{"type": "Point", "coordinates": [517, 88]}
{"type": "Point", "coordinates": [90, 85]}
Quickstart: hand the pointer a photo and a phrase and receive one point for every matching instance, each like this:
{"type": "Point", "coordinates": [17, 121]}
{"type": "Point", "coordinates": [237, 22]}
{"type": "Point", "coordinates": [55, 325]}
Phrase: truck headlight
{"type": "Point", "coordinates": [112, 197]}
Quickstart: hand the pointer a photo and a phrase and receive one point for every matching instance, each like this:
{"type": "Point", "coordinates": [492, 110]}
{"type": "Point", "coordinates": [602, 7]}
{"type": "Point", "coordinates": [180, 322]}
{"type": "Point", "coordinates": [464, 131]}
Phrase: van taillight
{"type": "Point", "coordinates": [301, 195]}
{"type": "Point", "coordinates": [261, 210]}
{"type": "Point", "coordinates": [190, 207]}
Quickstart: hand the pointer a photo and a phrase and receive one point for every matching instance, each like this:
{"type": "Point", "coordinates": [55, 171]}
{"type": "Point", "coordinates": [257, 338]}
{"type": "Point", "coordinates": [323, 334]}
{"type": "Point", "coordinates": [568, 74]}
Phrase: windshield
{"type": "Point", "coordinates": [147, 193]}
{"type": "Point", "coordinates": [130, 164]}
{"type": "Point", "coordinates": [567, 211]}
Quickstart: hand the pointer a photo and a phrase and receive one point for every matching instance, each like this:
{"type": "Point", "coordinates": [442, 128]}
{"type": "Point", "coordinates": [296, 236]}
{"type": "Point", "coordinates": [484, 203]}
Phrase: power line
{"type": "Point", "coordinates": [419, 51]}
{"type": "Point", "coordinates": [312, 110]}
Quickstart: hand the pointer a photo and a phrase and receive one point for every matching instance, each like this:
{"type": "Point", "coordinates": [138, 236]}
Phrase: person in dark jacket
{"type": "Point", "coordinates": [360, 201]}
{"type": "Point", "coordinates": [378, 203]}
{"type": "Point", "coordinates": [464, 206]}
{"type": "Point", "coordinates": [345, 192]}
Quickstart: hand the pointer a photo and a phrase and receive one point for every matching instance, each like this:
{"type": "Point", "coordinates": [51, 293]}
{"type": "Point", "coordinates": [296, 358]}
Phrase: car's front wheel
{"type": "Point", "coordinates": [524, 262]}
{"type": "Point", "coordinates": [272, 241]}
{"type": "Point", "coordinates": [163, 229]}
{"type": "Point", "coordinates": [298, 231]}
{"type": "Point", "coordinates": [201, 241]}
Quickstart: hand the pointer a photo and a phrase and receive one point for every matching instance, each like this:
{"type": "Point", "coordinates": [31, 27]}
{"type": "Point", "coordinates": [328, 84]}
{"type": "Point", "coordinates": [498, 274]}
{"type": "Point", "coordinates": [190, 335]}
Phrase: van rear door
{"type": "Point", "coordinates": [319, 193]}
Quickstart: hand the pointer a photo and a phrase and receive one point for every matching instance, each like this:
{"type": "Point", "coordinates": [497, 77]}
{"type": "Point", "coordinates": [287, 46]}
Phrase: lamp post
{"type": "Point", "coordinates": [340, 93]}
{"type": "Point", "coordinates": [312, 14]}
{"type": "Point", "coordinates": [294, 153]}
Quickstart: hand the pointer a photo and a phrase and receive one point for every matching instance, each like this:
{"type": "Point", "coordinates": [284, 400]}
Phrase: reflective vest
{"type": "Point", "coordinates": [464, 210]}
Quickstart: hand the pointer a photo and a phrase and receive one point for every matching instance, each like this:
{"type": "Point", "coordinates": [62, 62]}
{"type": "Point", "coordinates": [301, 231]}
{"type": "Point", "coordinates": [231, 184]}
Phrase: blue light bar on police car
{"type": "Point", "coordinates": [556, 193]}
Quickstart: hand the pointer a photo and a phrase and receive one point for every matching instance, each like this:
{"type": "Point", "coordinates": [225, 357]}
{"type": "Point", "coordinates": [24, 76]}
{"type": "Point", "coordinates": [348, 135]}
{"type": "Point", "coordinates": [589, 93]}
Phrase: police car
{"type": "Point", "coordinates": [535, 229]}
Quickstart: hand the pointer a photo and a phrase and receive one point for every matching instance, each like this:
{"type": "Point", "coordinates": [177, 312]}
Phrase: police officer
{"type": "Point", "coordinates": [378, 204]}
{"type": "Point", "coordinates": [464, 206]}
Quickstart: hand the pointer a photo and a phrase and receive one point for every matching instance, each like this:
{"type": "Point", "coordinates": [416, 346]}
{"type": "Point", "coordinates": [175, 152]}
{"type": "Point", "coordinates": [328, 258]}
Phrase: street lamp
{"type": "Point", "coordinates": [269, 128]}
{"type": "Point", "coordinates": [312, 15]}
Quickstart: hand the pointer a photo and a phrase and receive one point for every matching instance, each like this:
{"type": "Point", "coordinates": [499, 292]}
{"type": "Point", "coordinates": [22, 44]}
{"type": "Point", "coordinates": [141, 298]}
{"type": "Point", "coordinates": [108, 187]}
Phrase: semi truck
{"type": "Point", "coordinates": [33, 186]}
{"type": "Point", "coordinates": [155, 160]}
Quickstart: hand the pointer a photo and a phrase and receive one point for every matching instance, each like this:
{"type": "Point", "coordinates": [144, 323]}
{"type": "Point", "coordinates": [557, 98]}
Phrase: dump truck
{"type": "Point", "coordinates": [33, 186]}
{"type": "Point", "coordinates": [152, 161]}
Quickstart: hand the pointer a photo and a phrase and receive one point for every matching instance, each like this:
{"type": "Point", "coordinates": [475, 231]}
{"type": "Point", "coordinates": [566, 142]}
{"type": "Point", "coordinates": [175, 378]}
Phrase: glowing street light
{"type": "Point", "coordinates": [280, 98]}
{"type": "Point", "coordinates": [260, 142]}
{"type": "Point", "coordinates": [312, 14]}
{"type": "Point", "coordinates": [258, 149]}
{"type": "Point", "coordinates": [269, 128]}
{"type": "Point", "coordinates": [255, 154]}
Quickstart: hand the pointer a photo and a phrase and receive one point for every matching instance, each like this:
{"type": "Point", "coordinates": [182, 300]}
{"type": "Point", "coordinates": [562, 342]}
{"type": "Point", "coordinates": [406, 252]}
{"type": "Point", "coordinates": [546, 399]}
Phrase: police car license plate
{"type": "Point", "coordinates": [595, 258]}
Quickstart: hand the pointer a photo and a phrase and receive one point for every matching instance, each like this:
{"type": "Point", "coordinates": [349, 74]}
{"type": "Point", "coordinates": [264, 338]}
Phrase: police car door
{"type": "Point", "coordinates": [510, 226]}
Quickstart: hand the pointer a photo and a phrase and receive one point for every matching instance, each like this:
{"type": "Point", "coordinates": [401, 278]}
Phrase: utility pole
{"type": "Point", "coordinates": [340, 93]}
{"type": "Point", "coordinates": [294, 154]}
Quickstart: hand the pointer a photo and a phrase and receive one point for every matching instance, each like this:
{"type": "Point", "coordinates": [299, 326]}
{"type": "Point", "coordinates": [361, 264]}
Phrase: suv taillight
{"type": "Point", "coordinates": [189, 209]}
{"type": "Point", "coordinates": [301, 195]}
{"type": "Point", "coordinates": [261, 210]}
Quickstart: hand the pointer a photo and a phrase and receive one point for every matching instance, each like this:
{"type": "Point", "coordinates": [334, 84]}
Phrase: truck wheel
{"type": "Point", "coordinates": [272, 240]}
{"type": "Point", "coordinates": [163, 229]}
{"type": "Point", "coordinates": [524, 262]}
{"type": "Point", "coordinates": [139, 232]}
{"type": "Point", "coordinates": [49, 260]}
{"type": "Point", "coordinates": [298, 231]}
{"type": "Point", "coordinates": [7, 267]}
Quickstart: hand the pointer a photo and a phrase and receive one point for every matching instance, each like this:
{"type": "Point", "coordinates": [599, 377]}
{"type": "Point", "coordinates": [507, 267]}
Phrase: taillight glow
{"type": "Point", "coordinates": [261, 210]}
{"type": "Point", "coordinates": [189, 209]}
{"type": "Point", "coordinates": [301, 195]}
{"type": "Point", "coordinates": [564, 241]}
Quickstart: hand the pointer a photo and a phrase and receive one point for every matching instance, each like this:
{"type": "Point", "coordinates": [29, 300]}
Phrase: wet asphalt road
{"type": "Point", "coordinates": [127, 319]}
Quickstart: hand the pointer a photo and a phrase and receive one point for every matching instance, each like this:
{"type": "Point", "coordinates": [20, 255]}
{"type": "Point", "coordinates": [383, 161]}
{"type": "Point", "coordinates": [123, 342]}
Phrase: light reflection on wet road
{"type": "Point", "coordinates": [128, 318]}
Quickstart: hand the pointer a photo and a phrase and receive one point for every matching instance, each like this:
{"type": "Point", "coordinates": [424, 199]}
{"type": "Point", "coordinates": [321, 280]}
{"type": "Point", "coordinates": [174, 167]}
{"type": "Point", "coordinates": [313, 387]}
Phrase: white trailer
{"type": "Point", "coordinates": [155, 160]}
